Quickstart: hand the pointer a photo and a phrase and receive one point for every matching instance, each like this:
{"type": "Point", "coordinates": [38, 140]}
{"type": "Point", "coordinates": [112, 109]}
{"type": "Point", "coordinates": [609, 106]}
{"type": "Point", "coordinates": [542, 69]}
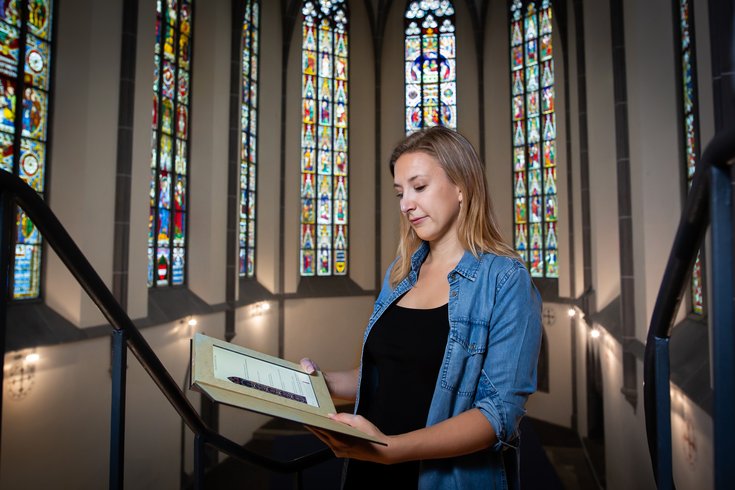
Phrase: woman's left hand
{"type": "Point", "coordinates": [344, 446]}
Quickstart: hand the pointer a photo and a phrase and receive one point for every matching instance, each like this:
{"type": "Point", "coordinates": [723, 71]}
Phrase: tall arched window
{"type": "Point", "coordinates": [324, 136]}
{"type": "Point", "coordinates": [170, 149]}
{"type": "Point", "coordinates": [691, 128]}
{"type": "Point", "coordinates": [534, 137]}
{"type": "Point", "coordinates": [430, 65]}
{"type": "Point", "coordinates": [25, 64]}
{"type": "Point", "coordinates": [248, 136]}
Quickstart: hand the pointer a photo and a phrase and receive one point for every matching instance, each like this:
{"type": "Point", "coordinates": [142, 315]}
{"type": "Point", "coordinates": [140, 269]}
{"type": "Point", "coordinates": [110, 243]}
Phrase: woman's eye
{"type": "Point", "coordinates": [399, 196]}
{"type": "Point", "coordinates": [420, 188]}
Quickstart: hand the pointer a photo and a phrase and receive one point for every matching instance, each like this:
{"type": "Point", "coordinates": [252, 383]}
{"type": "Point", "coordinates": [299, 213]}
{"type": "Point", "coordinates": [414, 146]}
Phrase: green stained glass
{"type": "Point", "coordinates": [29, 160]}
{"type": "Point", "coordinates": [324, 129]}
{"type": "Point", "coordinates": [167, 228]}
{"type": "Point", "coordinates": [534, 134]}
{"type": "Point", "coordinates": [249, 134]}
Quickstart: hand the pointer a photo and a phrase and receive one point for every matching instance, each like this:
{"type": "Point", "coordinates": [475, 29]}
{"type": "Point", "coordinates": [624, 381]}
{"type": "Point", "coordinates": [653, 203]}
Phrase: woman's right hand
{"type": "Point", "coordinates": [309, 366]}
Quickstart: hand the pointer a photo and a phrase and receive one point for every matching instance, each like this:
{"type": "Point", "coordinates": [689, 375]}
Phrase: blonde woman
{"type": "Point", "coordinates": [449, 354]}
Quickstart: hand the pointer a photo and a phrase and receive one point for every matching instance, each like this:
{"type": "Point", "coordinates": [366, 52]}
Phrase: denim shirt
{"type": "Point", "coordinates": [489, 362]}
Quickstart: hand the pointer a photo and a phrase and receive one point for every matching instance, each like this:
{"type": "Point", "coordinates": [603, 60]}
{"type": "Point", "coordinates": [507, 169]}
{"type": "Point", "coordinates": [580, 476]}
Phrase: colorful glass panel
{"type": "Point", "coordinates": [324, 135]}
{"type": "Point", "coordinates": [534, 137]}
{"type": "Point", "coordinates": [170, 144]}
{"type": "Point", "coordinates": [25, 69]}
{"type": "Point", "coordinates": [430, 65]}
{"type": "Point", "coordinates": [690, 131]}
{"type": "Point", "coordinates": [249, 135]}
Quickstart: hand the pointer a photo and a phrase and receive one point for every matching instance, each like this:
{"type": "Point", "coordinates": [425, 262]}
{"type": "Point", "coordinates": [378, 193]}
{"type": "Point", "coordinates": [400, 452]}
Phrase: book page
{"type": "Point", "coordinates": [235, 367]}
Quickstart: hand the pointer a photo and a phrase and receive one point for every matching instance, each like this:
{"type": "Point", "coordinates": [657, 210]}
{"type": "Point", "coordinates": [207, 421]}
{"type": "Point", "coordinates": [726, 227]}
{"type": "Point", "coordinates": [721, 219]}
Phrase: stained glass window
{"type": "Point", "coordinates": [248, 136]}
{"type": "Point", "coordinates": [25, 64]}
{"type": "Point", "coordinates": [324, 136]}
{"type": "Point", "coordinates": [534, 137]}
{"type": "Point", "coordinates": [691, 133]}
{"type": "Point", "coordinates": [170, 149]}
{"type": "Point", "coordinates": [430, 65]}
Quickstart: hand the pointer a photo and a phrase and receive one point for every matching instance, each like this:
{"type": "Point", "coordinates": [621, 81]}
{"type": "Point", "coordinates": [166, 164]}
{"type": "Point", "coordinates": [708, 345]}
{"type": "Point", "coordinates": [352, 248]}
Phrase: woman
{"type": "Point", "coordinates": [450, 352]}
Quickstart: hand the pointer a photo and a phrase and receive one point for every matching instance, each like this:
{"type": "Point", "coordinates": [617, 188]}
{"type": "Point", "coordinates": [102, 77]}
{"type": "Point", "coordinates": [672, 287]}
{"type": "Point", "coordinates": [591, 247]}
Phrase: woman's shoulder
{"type": "Point", "coordinates": [498, 268]}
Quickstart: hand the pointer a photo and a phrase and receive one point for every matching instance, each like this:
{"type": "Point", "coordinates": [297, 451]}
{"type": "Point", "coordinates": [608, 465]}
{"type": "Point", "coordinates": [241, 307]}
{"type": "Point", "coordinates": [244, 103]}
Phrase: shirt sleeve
{"type": "Point", "coordinates": [509, 370]}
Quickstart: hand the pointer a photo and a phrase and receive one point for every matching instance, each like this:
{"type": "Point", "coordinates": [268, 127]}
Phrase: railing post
{"type": "Point", "coordinates": [117, 423]}
{"type": "Point", "coordinates": [6, 226]}
{"type": "Point", "coordinates": [723, 337]}
{"type": "Point", "coordinates": [199, 460]}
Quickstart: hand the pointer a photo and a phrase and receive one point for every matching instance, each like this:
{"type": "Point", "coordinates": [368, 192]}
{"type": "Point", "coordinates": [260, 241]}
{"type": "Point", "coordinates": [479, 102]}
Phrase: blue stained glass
{"type": "Point", "coordinates": [534, 133]}
{"type": "Point", "coordinates": [324, 147]}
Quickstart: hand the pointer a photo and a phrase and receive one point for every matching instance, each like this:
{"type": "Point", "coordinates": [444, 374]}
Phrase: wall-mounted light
{"type": "Point", "coordinates": [259, 309]}
{"type": "Point", "coordinates": [571, 312]}
{"type": "Point", "coordinates": [192, 322]}
{"type": "Point", "coordinates": [595, 332]}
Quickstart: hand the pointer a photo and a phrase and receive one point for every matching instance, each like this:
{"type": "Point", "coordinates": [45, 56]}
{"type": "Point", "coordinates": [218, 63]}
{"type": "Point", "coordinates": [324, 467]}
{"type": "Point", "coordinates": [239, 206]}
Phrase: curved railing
{"type": "Point", "coordinates": [13, 191]}
{"type": "Point", "coordinates": [709, 201]}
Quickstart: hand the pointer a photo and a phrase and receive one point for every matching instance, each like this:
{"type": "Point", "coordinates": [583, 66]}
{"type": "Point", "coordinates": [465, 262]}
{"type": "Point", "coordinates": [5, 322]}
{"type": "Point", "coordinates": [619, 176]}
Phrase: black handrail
{"type": "Point", "coordinates": [13, 190]}
{"type": "Point", "coordinates": [689, 236]}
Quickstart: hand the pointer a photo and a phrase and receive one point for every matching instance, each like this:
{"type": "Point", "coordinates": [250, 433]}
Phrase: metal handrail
{"type": "Point", "coordinates": [13, 190]}
{"type": "Point", "coordinates": [689, 236]}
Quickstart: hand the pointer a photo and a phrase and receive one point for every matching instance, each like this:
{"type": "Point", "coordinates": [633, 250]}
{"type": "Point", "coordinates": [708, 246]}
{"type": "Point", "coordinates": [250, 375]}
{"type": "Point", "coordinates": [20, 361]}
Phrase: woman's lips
{"type": "Point", "coordinates": [415, 221]}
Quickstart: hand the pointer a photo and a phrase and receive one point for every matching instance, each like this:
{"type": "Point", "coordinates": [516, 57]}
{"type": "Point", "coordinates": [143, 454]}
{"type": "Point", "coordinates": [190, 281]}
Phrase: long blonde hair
{"type": "Point", "coordinates": [477, 227]}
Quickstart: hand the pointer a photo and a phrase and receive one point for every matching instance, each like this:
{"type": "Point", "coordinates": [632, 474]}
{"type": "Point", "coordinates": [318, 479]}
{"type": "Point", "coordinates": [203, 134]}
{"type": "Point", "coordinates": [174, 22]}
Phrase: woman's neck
{"type": "Point", "coordinates": [445, 252]}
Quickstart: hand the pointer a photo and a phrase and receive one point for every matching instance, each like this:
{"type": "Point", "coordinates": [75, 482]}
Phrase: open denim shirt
{"type": "Point", "coordinates": [489, 362]}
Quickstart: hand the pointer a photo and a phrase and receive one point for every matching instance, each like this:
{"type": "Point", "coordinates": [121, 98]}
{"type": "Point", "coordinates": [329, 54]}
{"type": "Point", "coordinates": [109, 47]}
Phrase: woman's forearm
{"type": "Point", "coordinates": [462, 434]}
{"type": "Point", "coordinates": [342, 384]}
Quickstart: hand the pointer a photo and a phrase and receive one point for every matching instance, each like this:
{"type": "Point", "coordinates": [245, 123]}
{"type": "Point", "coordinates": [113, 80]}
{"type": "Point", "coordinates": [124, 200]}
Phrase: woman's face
{"type": "Point", "coordinates": [427, 197]}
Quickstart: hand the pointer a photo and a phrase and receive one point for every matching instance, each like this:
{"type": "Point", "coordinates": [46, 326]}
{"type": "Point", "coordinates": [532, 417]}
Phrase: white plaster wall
{"type": "Point", "coordinates": [209, 143]}
{"type": "Point", "coordinates": [141, 164]}
{"type": "Point", "coordinates": [468, 108]}
{"type": "Point", "coordinates": [627, 463]}
{"type": "Point", "coordinates": [602, 164]}
{"type": "Point", "coordinates": [393, 128]}
{"type": "Point", "coordinates": [574, 195]}
{"type": "Point", "coordinates": [82, 159]}
{"type": "Point", "coordinates": [267, 265]}
{"type": "Point", "coordinates": [556, 405]}
{"type": "Point", "coordinates": [691, 443]}
{"type": "Point", "coordinates": [60, 431]}
{"type": "Point", "coordinates": [655, 161]}
{"type": "Point", "coordinates": [362, 212]}
{"type": "Point", "coordinates": [498, 156]}
{"type": "Point", "coordinates": [327, 330]}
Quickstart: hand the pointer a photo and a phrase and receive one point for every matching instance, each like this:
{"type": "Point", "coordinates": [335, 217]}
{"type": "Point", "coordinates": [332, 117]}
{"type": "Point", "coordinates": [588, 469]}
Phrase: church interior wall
{"type": "Point", "coordinates": [498, 153]}
{"type": "Point", "coordinates": [605, 253]}
{"type": "Point", "coordinates": [656, 168]}
{"type": "Point", "coordinates": [392, 127]}
{"type": "Point", "coordinates": [209, 144]}
{"type": "Point", "coordinates": [86, 87]}
{"type": "Point", "coordinates": [268, 266]}
{"type": "Point", "coordinates": [140, 174]}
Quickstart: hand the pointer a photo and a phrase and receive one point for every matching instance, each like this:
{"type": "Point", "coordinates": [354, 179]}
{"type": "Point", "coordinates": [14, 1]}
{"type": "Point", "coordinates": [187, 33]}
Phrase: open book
{"type": "Point", "coordinates": [244, 378]}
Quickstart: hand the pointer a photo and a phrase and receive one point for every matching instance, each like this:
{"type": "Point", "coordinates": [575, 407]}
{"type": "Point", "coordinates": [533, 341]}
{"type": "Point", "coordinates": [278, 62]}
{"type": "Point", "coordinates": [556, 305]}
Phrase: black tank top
{"type": "Point", "coordinates": [400, 366]}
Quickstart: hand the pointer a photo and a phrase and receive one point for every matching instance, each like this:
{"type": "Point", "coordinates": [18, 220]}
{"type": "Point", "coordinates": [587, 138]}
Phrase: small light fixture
{"type": "Point", "coordinates": [32, 358]}
{"type": "Point", "coordinates": [259, 309]}
{"type": "Point", "coordinates": [192, 322]}
{"type": "Point", "coordinates": [594, 333]}
{"type": "Point", "coordinates": [571, 312]}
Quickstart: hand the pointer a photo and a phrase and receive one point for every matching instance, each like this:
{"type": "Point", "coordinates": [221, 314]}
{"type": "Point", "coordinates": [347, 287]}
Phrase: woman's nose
{"type": "Point", "coordinates": [406, 205]}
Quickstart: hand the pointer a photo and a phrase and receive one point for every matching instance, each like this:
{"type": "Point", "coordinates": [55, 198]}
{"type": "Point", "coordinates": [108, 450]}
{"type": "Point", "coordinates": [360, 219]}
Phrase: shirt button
{"type": "Point", "coordinates": [452, 276]}
{"type": "Point", "coordinates": [454, 294]}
